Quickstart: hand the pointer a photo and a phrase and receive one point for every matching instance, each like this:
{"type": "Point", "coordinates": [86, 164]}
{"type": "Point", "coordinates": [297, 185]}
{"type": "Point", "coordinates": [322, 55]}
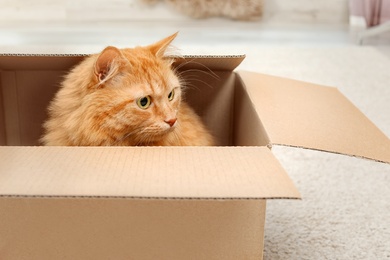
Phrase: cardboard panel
{"type": "Point", "coordinates": [26, 97]}
{"type": "Point", "coordinates": [35, 90]}
{"type": "Point", "coordinates": [144, 172]}
{"type": "Point", "coordinates": [211, 94]}
{"type": "Point", "coordinates": [247, 127]}
{"type": "Point", "coordinates": [307, 115]}
{"type": "Point", "coordinates": [104, 228]}
{"type": "Point", "coordinates": [2, 118]}
{"type": "Point", "coordinates": [10, 108]}
{"type": "Point", "coordinates": [38, 62]}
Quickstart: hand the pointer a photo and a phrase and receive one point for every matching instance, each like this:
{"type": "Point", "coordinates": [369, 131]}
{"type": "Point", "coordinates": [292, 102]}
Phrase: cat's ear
{"type": "Point", "coordinates": [108, 63]}
{"type": "Point", "coordinates": [159, 48]}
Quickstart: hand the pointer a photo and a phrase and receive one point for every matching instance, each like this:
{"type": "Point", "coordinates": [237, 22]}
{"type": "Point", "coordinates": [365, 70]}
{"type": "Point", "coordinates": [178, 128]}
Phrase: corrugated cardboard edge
{"type": "Point", "coordinates": [147, 198]}
{"type": "Point", "coordinates": [201, 62]}
{"type": "Point", "coordinates": [332, 152]}
{"type": "Point", "coordinates": [185, 56]}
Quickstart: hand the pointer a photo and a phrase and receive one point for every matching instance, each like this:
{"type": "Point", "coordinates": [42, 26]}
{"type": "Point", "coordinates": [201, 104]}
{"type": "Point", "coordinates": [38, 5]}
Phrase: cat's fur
{"type": "Point", "coordinates": [98, 102]}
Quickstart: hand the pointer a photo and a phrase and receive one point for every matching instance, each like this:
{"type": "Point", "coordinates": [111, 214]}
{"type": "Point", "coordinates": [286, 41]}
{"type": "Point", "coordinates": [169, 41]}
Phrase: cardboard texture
{"type": "Point", "coordinates": [111, 228]}
{"type": "Point", "coordinates": [163, 202]}
{"type": "Point", "coordinates": [149, 172]}
{"type": "Point", "coordinates": [316, 117]}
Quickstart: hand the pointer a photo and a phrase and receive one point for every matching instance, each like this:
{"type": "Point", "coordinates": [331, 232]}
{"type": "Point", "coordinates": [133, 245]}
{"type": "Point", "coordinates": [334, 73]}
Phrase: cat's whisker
{"type": "Point", "coordinates": [188, 61]}
{"type": "Point", "coordinates": [183, 64]}
{"type": "Point", "coordinates": [184, 78]}
{"type": "Point", "coordinates": [197, 78]}
{"type": "Point", "coordinates": [187, 81]}
{"type": "Point", "coordinates": [208, 73]}
{"type": "Point", "coordinates": [201, 81]}
{"type": "Point", "coordinates": [145, 138]}
{"type": "Point", "coordinates": [134, 131]}
{"type": "Point", "coordinates": [176, 136]}
{"type": "Point", "coordinates": [192, 86]}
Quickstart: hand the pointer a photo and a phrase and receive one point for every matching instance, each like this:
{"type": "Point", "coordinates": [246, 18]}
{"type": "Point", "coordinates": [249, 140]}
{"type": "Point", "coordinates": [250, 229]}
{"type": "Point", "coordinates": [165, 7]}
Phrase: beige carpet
{"type": "Point", "coordinates": [345, 211]}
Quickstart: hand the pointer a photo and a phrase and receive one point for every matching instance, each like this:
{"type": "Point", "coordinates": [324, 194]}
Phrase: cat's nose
{"type": "Point", "coordinates": [171, 122]}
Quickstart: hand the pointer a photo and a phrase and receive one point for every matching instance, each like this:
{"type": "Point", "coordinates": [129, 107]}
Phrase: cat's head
{"type": "Point", "coordinates": [135, 95]}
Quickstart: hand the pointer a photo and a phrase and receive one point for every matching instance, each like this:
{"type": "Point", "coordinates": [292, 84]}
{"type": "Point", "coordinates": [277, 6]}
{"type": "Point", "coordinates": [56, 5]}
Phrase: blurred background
{"type": "Point", "coordinates": [345, 209]}
{"type": "Point", "coordinates": [91, 24]}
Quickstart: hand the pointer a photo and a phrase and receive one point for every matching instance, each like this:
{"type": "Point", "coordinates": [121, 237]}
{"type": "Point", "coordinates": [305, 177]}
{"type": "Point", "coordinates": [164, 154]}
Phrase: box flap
{"type": "Point", "coordinates": [300, 114]}
{"type": "Point", "coordinates": [144, 172]}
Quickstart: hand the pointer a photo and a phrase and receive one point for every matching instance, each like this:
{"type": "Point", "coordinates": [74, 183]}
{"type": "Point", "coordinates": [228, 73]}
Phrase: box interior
{"type": "Point", "coordinates": [28, 83]}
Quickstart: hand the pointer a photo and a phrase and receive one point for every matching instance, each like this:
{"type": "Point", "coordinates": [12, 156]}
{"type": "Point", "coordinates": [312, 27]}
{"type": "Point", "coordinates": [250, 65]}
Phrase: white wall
{"type": "Point", "coordinates": [275, 11]}
{"type": "Point", "coordinates": [307, 11]}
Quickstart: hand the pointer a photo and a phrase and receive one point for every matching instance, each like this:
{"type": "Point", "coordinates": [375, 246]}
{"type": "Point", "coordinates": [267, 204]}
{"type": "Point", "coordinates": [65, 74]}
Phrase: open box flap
{"type": "Point", "coordinates": [144, 172]}
{"type": "Point", "coordinates": [300, 114]}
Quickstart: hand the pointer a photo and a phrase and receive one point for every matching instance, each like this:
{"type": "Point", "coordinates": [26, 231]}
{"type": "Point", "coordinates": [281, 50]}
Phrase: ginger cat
{"type": "Point", "coordinates": [124, 97]}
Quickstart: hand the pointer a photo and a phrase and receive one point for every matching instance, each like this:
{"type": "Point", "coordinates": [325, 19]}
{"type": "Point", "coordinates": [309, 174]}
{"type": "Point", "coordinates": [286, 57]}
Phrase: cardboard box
{"type": "Point", "coordinates": [163, 202]}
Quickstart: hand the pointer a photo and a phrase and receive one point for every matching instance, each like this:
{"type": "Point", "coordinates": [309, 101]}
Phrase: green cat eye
{"type": "Point", "coordinates": [171, 95]}
{"type": "Point", "coordinates": [144, 102]}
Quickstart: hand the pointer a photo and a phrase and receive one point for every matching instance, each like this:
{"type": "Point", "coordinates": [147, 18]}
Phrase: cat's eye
{"type": "Point", "coordinates": [171, 95]}
{"type": "Point", "coordinates": [144, 102]}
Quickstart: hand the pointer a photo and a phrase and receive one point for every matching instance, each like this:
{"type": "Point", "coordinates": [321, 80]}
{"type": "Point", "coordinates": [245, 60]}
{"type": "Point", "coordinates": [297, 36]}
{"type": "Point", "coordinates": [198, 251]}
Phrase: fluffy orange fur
{"type": "Point", "coordinates": [124, 97]}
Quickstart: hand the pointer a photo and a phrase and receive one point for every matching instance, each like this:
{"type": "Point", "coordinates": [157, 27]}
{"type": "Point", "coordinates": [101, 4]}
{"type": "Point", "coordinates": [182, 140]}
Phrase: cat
{"type": "Point", "coordinates": [124, 97]}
